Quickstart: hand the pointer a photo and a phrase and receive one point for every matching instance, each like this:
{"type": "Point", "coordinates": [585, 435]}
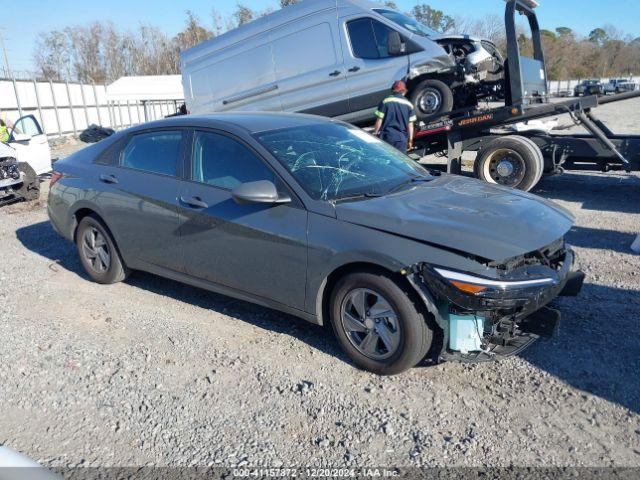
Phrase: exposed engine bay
{"type": "Point", "coordinates": [481, 64]}
{"type": "Point", "coordinates": [18, 181]}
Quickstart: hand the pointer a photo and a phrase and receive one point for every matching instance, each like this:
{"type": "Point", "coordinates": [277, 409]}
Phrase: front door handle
{"type": "Point", "coordinates": [194, 202]}
{"type": "Point", "coordinates": [354, 69]}
{"type": "Point", "coordinates": [108, 178]}
{"type": "Point", "coordinates": [335, 73]}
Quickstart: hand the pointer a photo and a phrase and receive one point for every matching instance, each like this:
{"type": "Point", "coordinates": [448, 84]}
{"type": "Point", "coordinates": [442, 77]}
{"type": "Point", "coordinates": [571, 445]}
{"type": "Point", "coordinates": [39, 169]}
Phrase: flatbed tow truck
{"type": "Point", "coordinates": [519, 159]}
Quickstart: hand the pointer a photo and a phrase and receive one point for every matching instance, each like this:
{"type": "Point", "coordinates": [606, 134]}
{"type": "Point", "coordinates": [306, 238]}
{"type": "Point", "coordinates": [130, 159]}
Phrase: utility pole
{"type": "Point", "coordinates": [6, 58]}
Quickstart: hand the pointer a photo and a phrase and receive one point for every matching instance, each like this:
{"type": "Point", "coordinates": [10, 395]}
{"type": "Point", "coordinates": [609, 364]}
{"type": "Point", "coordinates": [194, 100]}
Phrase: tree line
{"type": "Point", "coordinates": [100, 52]}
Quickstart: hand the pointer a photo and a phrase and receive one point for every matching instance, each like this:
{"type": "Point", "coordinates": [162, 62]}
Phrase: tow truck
{"type": "Point", "coordinates": [519, 159]}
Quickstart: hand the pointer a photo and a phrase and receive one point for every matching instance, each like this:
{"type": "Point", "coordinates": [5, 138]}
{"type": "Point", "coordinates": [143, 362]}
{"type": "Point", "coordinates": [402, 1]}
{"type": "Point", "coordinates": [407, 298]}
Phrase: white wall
{"type": "Point", "coordinates": [69, 108]}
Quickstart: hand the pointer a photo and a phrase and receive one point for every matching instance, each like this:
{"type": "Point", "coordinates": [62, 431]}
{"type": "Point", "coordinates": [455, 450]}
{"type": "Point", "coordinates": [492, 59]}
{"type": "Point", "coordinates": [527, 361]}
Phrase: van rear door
{"type": "Point", "coordinates": [371, 70]}
{"type": "Point", "coordinates": [310, 71]}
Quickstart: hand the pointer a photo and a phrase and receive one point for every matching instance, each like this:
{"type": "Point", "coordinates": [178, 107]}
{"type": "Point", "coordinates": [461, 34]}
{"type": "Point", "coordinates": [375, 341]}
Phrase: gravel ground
{"type": "Point", "coordinates": [154, 372]}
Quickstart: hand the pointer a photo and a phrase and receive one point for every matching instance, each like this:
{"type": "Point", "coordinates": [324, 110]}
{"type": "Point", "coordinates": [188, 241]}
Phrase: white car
{"type": "Point", "coordinates": [22, 159]}
{"type": "Point", "coordinates": [31, 144]}
{"type": "Point", "coordinates": [620, 85]}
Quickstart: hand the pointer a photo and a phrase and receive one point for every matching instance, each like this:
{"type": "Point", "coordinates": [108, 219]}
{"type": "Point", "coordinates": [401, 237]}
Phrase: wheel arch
{"type": "Point", "coordinates": [330, 281]}
{"type": "Point", "coordinates": [447, 78]}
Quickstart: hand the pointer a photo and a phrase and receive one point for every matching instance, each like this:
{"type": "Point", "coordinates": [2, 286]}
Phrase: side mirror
{"type": "Point", "coordinates": [20, 137]}
{"type": "Point", "coordinates": [395, 46]}
{"type": "Point", "coordinates": [262, 191]}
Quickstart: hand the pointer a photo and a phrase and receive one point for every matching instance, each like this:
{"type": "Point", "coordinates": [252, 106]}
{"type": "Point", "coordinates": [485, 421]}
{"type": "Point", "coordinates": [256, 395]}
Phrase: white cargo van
{"type": "Point", "coordinates": [336, 58]}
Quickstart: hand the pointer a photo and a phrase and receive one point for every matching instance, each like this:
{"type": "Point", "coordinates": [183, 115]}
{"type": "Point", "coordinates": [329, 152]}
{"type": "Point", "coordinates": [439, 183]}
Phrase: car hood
{"type": "Point", "coordinates": [6, 151]}
{"type": "Point", "coordinates": [466, 215]}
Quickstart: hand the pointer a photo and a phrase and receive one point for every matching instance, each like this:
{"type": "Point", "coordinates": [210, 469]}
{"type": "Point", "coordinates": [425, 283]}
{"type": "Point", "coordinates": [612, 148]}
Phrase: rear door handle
{"type": "Point", "coordinates": [335, 73]}
{"type": "Point", "coordinates": [108, 178]}
{"type": "Point", "coordinates": [354, 69]}
{"type": "Point", "coordinates": [194, 202]}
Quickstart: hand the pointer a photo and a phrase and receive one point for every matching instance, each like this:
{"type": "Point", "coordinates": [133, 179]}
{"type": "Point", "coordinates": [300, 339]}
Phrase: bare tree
{"type": "Point", "coordinates": [52, 55]}
{"type": "Point", "coordinates": [242, 15]}
{"type": "Point", "coordinates": [433, 18]}
{"type": "Point", "coordinates": [193, 34]}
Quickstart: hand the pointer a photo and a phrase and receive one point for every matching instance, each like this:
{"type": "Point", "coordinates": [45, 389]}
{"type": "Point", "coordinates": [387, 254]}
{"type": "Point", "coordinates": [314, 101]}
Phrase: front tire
{"type": "Point", "coordinates": [378, 324]}
{"type": "Point", "coordinates": [98, 253]}
{"type": "Point", "coordinates": [431, 99]}
{"type": "Point", "coordinates": [30, 189]}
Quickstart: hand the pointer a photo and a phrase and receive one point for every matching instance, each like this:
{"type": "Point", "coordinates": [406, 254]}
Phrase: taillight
{"type": "Point", "coordinates": [55, 176]}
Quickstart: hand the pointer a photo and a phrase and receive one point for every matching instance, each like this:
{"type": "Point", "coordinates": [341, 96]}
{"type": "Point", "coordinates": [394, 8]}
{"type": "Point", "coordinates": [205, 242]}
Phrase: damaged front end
{"type": "Point", "coordinates": [483, 318]}
{"type": "Point", "coordinates": [479, 64]}
{"type": "Point", "coordinates": [18, 181]}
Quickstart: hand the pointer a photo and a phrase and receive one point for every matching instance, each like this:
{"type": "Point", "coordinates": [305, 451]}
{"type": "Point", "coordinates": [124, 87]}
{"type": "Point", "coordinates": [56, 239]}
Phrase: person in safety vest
{"type": "Point", "coordinates": [396, 117]}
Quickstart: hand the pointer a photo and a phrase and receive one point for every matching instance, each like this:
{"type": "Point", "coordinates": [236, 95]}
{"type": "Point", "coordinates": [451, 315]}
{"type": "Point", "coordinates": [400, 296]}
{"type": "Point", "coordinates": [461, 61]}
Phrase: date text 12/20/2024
{"type": "Point", "coordinates": [316, 472]}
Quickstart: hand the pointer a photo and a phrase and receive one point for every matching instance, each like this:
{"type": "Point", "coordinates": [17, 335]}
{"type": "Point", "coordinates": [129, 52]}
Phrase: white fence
{"type": "Point", "coordinates": [64, 108]}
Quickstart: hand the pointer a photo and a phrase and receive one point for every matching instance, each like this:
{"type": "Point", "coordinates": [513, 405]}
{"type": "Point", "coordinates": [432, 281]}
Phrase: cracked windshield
{"type": "Point", "coordinates": [337, 162]}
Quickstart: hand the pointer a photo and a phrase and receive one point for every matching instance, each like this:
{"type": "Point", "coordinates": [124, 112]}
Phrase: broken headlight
{"type": "Point", "coordinates": [485, 287]}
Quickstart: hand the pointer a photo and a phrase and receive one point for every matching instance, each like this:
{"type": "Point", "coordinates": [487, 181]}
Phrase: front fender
{"type": "Point", "coordinates": [334, 244]}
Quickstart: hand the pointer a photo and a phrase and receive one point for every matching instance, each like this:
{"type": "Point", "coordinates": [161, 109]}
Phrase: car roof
{"type": "Point", "coordinates": [252, 122]}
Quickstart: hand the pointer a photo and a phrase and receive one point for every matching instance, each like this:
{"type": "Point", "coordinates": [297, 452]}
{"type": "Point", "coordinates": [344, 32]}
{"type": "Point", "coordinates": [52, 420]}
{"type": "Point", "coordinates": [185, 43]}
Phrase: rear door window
{"type": "Point", "coordinates": [155, 152]}
{"type": "Point", "coordinates": [224, 162]}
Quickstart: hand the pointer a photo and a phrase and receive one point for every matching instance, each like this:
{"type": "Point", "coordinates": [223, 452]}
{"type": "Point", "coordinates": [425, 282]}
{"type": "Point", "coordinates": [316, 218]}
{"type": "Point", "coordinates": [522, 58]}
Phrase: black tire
{"type": "Point", "coordinates": [540, 156]}
{"type": "Point", "coordinates": [405, 323]}
{"type": "Point", "coordinates": [431, 98]}
{"type": "Point", "coordinates": [30, 189]}
{"type": "Point", "coordinates": [512, 161]}
{"type": "Point", "coordinates": [105, 269]}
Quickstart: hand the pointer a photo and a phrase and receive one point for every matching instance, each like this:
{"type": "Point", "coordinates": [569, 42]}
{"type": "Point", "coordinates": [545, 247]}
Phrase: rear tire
{"type": "Point", "coordinates": [98, 253]}
{"type": "Point", "coordinates": [378, 324]}
{"type": "Point", "coordinates": [512, 161]}
{"type": "Point", "coordinates": [431, 98]}
{"type": "Point", "coordinates": [540, 155]}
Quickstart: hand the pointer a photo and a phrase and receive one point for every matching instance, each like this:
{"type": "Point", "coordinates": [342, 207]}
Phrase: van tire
{"type": "Point", "coordinates": [431, 98]}
{"type": "Point", "coordinates": [512, 161]}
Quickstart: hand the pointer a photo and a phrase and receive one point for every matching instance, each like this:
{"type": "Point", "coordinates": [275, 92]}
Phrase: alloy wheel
{"type": "Point", "coordinates": [96, 250]}
{"type": "Point", "coordinates": [371, 323]}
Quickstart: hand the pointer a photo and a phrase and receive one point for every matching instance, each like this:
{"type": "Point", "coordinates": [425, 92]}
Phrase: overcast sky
{"type": "Point", "coordinates": [22, 20]}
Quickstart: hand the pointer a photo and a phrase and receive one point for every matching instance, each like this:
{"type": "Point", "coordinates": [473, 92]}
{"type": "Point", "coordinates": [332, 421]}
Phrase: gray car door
{"type": "Point", "coordinates": [139, 198]}
{"type": "Point", "coordinates": [370, 69]}
{"type": "Point", "coordinates": [258, 249]}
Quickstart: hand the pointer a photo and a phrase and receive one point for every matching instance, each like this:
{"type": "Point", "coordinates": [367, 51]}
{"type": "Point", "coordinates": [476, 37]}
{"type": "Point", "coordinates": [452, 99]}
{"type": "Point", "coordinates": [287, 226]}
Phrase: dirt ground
{"type": "Point", "coordinates": [150, 371]}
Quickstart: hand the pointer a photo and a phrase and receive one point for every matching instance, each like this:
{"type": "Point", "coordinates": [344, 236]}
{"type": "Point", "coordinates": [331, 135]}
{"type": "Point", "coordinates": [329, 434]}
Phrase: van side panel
{"type": "Point", "coordinates": [309, 68]}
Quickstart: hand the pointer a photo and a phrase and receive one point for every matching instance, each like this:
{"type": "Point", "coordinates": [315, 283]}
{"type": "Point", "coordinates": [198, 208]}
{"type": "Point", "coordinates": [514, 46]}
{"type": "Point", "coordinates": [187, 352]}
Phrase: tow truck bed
{"type": "Point", "coordinates": [519, 159]}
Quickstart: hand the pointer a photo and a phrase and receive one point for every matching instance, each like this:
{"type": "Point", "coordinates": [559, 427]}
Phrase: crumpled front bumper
{"type": "Point", "coordinates": [514, 321]}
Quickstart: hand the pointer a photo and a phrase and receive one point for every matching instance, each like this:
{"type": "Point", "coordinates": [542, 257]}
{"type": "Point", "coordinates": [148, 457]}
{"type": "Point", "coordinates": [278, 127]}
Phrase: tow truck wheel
{"type": "Point", "coordinates": [431, 98]}
{"type": "Point", "coordinates": [512, 161]}
{"type": "Point", "coordinates": [540, 155]}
